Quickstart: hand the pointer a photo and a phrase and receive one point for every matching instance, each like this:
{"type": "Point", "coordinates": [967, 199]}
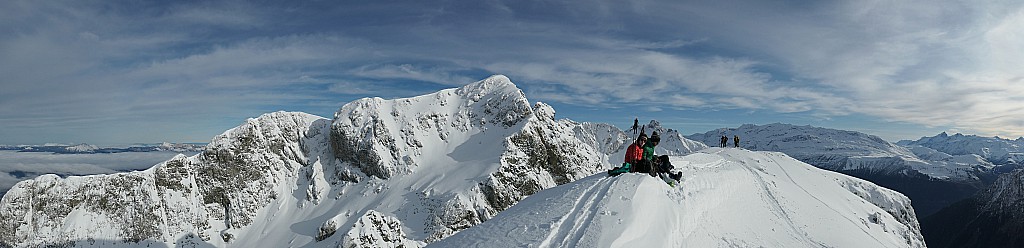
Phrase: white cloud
{"type": "Point", "coordinates": [442, 76]}
{"type": "Point", "coordinates": [31, 164]}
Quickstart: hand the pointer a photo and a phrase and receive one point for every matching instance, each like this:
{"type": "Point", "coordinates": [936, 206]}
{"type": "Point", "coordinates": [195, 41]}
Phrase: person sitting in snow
{"type": "Point", "coordinates": [635, 155]}
{"type": "Point", "coordinates": [660, 164]}
{"type": "Point", "coordinates": [648, 154]}
{"type": "Point", "coordinates": [633, 158]}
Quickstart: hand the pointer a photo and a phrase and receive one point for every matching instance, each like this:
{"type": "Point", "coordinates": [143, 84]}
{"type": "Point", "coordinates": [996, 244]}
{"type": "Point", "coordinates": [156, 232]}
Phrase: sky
{"type": "Point", "coordinates": [111, 71]}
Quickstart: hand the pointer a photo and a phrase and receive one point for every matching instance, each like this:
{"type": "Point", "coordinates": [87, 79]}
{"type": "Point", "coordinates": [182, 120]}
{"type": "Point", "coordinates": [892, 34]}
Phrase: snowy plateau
{"type": "Point", "coordinates": [414, 171]}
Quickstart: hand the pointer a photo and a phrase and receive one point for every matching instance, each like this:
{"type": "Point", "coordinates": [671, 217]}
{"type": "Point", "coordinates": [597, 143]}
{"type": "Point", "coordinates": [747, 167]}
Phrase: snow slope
{"type": "Point", "coordinates": [728, 198]}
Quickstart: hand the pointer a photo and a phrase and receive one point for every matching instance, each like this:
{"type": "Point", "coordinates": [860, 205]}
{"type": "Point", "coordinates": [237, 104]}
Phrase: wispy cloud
{"type": "Point", "coordinates": [438, 75]}
{"type": "Point", "coordinates": [107, 67]}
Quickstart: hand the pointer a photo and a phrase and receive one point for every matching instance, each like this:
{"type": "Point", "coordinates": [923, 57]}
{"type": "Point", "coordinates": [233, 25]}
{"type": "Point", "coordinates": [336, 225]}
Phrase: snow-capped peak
{"type": "Point", "coordinates": [497, 84]}
{"type": "Point", "coordinates": [388, 137]}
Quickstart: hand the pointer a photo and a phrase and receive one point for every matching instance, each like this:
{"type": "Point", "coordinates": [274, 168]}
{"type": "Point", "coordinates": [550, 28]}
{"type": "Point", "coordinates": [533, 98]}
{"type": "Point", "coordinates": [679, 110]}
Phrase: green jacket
{"type": "Point", "coordinates": [648, 151]}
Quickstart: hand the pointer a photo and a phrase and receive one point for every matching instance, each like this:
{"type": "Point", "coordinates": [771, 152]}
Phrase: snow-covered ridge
{"type": "Point", "coordinates": [727, 198]}
{"type": "Point", "coordinates": [381, 173]}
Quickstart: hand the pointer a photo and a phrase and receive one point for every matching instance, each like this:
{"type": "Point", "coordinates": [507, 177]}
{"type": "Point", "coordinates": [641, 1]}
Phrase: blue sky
{"type": "Point", "coordinates": [107, 72]}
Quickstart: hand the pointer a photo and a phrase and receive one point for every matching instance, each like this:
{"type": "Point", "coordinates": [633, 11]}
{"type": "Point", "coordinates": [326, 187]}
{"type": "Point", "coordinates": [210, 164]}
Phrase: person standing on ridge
{"type": "Point", "coordinates": [736, 141]}
{"type": "Point", "coordinates": [724, 141]}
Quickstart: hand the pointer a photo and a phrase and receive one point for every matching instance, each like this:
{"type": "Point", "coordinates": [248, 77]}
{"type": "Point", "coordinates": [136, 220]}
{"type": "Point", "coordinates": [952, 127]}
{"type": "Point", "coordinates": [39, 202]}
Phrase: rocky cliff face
{"type": "Point", "coordinates": [992, 218]}
{"type": "Point", "coordinates": [382, 173]}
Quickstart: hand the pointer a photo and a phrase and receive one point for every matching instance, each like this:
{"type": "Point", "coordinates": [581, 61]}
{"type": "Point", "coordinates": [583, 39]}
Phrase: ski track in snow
{"type": "Point", "coordinates": [581, 216]}
{"type": "Point", "coordinates": [773, 202]}
{"type": "Point", "coordinates": [823, 203]}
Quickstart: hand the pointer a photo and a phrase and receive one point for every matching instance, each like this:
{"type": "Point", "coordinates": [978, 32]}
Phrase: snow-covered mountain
{"type": "Point", "coordinates": [933, 156]}
{"type": "Point", "coordinates": [728, 198]}
{"type": "Point", "coordinates": [992, 218]}
{"type": "Point", "coordinates": [994, 149]}
{"type": "Point", "coordinates": [82, 148]}
{"type": "Point", "coordinates": [932, 184]}
{"type": "Point", "coordinates": [382, 173]}
{"type": "Point", "coordinates": [606, 138]}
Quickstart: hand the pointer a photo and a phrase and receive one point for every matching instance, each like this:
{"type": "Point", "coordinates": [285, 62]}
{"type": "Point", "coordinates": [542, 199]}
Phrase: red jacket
{"type": "Point", "coordinates": [634, 153]}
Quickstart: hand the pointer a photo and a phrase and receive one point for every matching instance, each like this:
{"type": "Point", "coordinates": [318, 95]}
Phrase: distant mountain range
{"type": "Point", "coordinates": [1005, 154]}
{"type": "Point", "coordinates": [91, 149]}
{"type": "Point", "coordinates": [933, 182]}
